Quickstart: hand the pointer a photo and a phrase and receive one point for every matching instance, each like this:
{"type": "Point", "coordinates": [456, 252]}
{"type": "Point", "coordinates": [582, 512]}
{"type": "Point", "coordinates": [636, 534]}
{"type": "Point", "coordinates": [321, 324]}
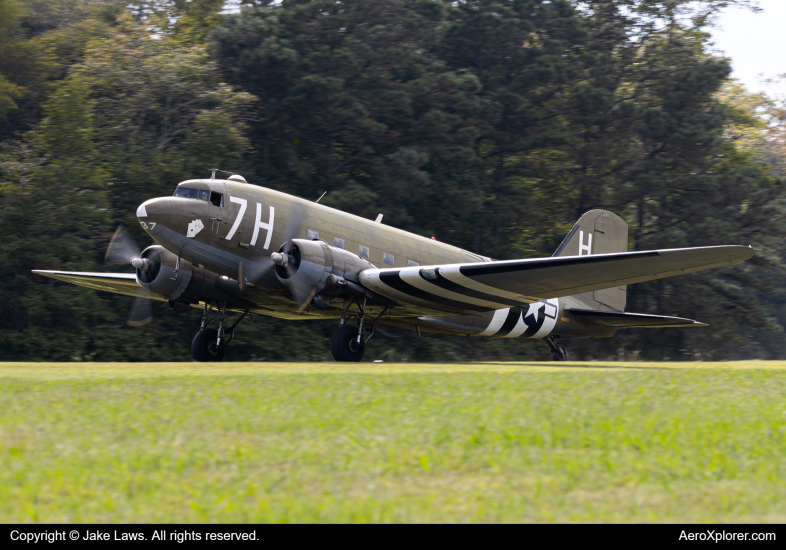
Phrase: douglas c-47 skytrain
{"type": "Point", "coordinates": [227, 245]}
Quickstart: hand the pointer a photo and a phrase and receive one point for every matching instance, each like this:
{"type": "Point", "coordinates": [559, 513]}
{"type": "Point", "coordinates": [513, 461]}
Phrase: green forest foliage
{"type": "Point", "coordinates": [489, 124]}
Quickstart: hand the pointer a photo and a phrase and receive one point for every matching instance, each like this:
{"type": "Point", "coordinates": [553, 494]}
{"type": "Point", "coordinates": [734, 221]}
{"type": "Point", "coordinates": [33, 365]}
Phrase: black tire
{"type": "Point", "coordinates": [203, 347]}
{"type": "Point", "coordinates": [344, 345]}
{"type": "Point", "coordinates": [559, 354]}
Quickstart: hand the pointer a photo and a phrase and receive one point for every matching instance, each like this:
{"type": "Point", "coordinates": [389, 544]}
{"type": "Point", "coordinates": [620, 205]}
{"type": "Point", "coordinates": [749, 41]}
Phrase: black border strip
{"type": "Point", "coordinates": [191, 534]}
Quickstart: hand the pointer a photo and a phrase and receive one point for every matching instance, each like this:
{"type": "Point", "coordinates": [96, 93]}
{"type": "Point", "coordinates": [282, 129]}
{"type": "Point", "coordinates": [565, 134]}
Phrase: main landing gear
{"type": "Point", "coordinates": [558, 353]}
{"type": "Point", "coordinates": [349, 342]}
{"type": "Point", "coordinates": [209, 344]}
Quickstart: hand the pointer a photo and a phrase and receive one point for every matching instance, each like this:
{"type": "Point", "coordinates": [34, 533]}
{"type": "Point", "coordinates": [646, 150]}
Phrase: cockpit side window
{"type": "Point", "coordinates": [187, 193]}
{"type": "Point", "coordinates": [200, 194]}
{"type": "Point", "coordinates": [216, 199]}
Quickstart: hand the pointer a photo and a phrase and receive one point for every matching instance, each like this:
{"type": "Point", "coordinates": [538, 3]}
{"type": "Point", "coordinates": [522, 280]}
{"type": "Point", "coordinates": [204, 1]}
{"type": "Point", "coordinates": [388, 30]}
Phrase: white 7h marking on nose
{"type": "Point", "coordinates": [585, 247]}
{"type": "Point", "coordinates": [243, 204]}
{"type": "Point", "coordinates": [259, 223]}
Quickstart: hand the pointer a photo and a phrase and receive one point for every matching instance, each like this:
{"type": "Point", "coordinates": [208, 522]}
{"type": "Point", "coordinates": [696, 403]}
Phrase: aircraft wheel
{"type": "Point", "coordinates": [203, 346]}
{"type": "Point", "coordinates": [559, 354]}
{"type": "Point", "coordinates": [344, 344]}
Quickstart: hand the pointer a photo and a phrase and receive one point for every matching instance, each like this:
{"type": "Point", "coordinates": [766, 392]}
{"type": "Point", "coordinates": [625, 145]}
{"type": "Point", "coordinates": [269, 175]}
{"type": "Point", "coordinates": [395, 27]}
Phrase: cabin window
{"type": "Point", "coordinates": [338, 243]}
{"type": "Point", "coordinates": [412, 263]}
{"type": "Point", "coordinates": [387, 258]}
{"type": "Point", "coordinates": [313, 235]}
{"type": "Point", "coordinates": [363, 251]}
{"type": "Point", "coordinates": [216, 199]}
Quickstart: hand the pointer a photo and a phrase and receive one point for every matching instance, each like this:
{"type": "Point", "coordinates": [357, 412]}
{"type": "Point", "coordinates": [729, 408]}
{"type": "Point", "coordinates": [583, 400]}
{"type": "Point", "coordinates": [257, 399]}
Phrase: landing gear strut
{"type": "Point", "coordinates": [348, 342]}
{"type": "Point", "coordinates": [209, 344]}
{"type": "Point", "coordinates": [558, 353]}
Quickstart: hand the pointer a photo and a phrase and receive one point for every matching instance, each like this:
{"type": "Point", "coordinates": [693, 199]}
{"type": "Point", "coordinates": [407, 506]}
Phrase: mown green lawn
{"type": "Point", "coordinates": [577, 442]}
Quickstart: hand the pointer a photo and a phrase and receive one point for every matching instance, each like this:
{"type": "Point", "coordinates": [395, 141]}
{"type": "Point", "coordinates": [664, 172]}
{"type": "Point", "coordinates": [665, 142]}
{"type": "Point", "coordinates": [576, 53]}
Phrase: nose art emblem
{"type": "Point", "coordinates": [195, 227]}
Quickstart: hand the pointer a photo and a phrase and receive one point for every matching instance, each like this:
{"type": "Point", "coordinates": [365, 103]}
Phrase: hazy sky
{"type": "Point", "coordinates": [755, 42]}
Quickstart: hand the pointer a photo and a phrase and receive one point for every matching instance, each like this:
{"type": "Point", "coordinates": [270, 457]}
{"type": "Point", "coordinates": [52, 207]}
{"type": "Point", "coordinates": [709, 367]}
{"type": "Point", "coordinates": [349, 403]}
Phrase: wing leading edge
{"type": "Point", "coordinates": [118, 283]}
{"type": "Point", "coordinates": [477, 287]}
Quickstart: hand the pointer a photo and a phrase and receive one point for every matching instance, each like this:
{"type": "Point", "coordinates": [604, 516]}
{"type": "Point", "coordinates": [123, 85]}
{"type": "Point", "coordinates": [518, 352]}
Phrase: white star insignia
{"type": "Point", "coordinates": [534, 309]}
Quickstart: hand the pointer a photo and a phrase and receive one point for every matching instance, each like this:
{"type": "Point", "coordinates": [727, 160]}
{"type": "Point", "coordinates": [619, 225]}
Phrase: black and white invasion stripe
{"type": "Point", "coordinates": [446, 288]}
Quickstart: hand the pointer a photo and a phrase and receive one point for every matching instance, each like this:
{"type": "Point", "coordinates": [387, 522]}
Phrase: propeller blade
{"type": "Point", "coordinates": [122, 248]}
{"type": "Point", "coordinates": [307, 301]}
{"type": "Point", "coordinates": [141, 312]}
{"type": "Point", "coordinates": [257, 270]}
{"type": "Point", "coordinates": [297, 220]}
{"type": "Point", "coordinates": [252, 272]}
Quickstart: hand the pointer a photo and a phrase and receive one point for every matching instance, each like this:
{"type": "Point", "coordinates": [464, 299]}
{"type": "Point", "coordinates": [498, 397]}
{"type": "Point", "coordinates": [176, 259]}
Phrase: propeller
{"type": "Point", "coordinates": [123, 250]}
{"type": "Point", "coordinates": [302, 296]}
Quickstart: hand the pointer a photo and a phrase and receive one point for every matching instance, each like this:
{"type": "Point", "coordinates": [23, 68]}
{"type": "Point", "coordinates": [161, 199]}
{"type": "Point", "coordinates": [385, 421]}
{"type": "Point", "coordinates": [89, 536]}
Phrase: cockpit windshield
{"type": "Point", "coordinates": [186, 193]}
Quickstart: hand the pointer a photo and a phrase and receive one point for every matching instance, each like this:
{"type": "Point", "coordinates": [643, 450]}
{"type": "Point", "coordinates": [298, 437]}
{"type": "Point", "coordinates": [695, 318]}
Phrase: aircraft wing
{"type": "Point", "coordinates": [477, 287]}
{"type": "Point", "coordinates": [118, 283]}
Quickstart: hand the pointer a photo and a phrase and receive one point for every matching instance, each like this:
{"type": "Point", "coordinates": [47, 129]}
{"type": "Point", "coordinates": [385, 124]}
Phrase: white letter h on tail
{"type": "Point", "coordinates": [585, 247]}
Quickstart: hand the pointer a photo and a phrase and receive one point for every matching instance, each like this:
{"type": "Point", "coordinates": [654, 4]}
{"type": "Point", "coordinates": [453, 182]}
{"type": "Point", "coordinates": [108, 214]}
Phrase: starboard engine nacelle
{"type": "Point", "coordinates": [315, 271]}
{"type": "Point", "coordinates": [181, 282]}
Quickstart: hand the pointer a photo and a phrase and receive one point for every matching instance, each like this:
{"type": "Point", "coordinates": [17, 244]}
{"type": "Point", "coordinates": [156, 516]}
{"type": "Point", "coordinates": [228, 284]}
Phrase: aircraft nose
{"type": "Point", "coordinates": [153, 215]}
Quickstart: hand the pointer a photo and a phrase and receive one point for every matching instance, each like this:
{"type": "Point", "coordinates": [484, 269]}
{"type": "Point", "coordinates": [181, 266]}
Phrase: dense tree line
{"type": "Point", "coordinates": [490, 124]}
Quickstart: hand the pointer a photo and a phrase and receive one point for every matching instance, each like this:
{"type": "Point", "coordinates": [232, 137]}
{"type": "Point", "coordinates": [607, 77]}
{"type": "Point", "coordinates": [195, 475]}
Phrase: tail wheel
{"type": "Point", "coordinates": [203, 346]}
{"type": "Point", "coordinates": [345, 346]}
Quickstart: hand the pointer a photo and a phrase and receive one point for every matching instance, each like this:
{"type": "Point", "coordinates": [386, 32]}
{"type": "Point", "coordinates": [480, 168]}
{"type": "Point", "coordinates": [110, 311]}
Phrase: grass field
{"type": "Point", "coordinates": [532, 442]}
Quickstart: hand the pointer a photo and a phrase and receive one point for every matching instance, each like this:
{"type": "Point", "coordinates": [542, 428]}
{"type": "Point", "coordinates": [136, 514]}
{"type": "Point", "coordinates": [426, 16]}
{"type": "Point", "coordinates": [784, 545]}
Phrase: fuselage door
{"type": "Point", "coordinates": [226, 213]}
{"type": "Point", "coordinates": [216, 206]}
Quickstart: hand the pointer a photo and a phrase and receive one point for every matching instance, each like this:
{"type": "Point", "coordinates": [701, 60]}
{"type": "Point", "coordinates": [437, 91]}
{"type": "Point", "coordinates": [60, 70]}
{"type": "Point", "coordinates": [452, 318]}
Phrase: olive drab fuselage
{"type": "Point", "coordinates": [232, 228]}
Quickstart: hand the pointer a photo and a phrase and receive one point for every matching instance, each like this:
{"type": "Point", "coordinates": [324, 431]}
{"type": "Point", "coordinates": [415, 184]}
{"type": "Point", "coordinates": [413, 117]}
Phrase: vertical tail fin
{"type": "Point", "coordinates": [598, 232]}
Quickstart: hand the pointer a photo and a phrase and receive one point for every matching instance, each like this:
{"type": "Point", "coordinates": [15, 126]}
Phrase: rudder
{"type": "Point", "coordinates": [598, 232]}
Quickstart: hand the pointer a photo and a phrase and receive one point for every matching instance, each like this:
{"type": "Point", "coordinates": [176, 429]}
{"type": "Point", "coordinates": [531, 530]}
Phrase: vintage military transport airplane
{"type": "Point", "coordinates": [227, 245]}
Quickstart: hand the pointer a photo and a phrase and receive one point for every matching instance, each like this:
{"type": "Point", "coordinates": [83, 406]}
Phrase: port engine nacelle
{"type": "Point", "coordinates": [181, 282]}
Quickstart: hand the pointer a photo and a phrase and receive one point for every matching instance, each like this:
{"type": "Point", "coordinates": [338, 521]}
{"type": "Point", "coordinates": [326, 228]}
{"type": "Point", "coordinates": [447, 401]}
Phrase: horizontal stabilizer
{"type": "Point", "coordinates": [614, 319]}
